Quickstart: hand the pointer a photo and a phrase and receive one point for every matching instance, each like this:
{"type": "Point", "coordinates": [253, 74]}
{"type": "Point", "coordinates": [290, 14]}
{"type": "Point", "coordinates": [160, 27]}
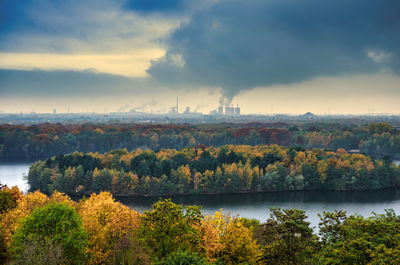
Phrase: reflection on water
{"type": "Point", "coordinates": [276, 198]}
{"type": "Point", "coordinates": [257, 205]}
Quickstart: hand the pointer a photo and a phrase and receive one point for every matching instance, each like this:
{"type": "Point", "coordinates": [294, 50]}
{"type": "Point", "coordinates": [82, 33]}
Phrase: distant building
{"type": "Point", "coordinates": [308, 115]}
{"type": "Point", "coordinates": [187, 110]}
{"type": "Point", "coordinates": [174, 110]}
{"type": "Point", "coordinates": [237, 110]}
{"type": "Point", "coordinates": [229, 111]}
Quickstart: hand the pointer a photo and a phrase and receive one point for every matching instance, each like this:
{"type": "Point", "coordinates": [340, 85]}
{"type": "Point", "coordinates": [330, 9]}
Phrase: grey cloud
{"type": "Point", "coordinates": [71, 26]}
{"type": "Point", "coordinates": [70, 84]}
{"type": "Point", "coordinates": [238, 45]}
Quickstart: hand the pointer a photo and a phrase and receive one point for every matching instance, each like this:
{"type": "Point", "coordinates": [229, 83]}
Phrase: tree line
{"type": "Point", "coordinates": [40, 229]}
{"type": "Point", "coordinates": [201, 169]}
{"type": "Point", "coordinates": [33, 142]}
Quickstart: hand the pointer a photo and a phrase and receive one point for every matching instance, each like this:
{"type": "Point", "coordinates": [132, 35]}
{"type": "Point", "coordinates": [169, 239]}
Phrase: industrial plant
{"type": "Point", "coordinates": [229, 110]}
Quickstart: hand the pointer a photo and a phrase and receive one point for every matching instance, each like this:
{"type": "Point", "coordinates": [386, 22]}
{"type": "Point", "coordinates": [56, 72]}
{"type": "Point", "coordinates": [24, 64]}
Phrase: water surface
{"type": "Point", "coordinates": [254, 205]}
{"type": "Point", "coordinates": [13, 174]}
{"type": "Point", "coordinates": [257, 205]}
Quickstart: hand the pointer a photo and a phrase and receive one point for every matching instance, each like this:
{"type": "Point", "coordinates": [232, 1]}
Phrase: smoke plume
{"type": "Point", "coordinates": [239, 45]}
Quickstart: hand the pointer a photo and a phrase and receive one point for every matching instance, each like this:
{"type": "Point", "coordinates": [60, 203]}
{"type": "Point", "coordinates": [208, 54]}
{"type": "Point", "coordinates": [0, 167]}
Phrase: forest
{"type": "Point", "coordinates": [33, 142]}
{"type": "Point", "coordinates": [202, 169]}
{"type": "Point", "coordinates": [40, 229]}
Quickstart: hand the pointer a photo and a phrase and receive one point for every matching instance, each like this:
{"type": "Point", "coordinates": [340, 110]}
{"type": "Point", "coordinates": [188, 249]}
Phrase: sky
{"type": "Point", "coordinates": [267, 56]}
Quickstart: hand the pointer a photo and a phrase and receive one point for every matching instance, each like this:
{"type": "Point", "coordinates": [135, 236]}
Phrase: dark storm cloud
{"type": "Point", "coordinates": [177, 8]}
{"type": "Point", "coordinates": [149, 6]}
{"type": "Point", "coordinates": [48, 25]}
{"type": "Point", "coordinates": [70, 84]}
{"type": "Point", "coordinates": [27, 16]}
{"type": "Point", "coordinates": [31, 18]}
{"type": "Point", "coordinates": [13, 16]}
{"type": "Point", "coordinates": [239, 45]}
{"type": "Point", "coordinates": [235, 45]}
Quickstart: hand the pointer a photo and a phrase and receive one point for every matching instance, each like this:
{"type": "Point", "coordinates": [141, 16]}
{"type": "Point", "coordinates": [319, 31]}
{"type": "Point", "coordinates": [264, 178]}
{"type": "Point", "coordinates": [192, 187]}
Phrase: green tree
{"type": "Point", "coordinates": [182, 178]}
{"type": "Point", "coordinates": [287, 238]}
{"type": "Point", "coordinates": [6, 201]}
{"type": "Point", "coordinates": [168, 228]}
{"type": "Point", "coordinates": [183, 258]}
{"type": "Point", "coordinates": [331, 226]}
{"type": "Point", "coordinates": [102, 179]}
{"type": "Point", "coordinates": [359, 240]}
{"type": "Point", "coordinates": [59, 228]}
{"type": "Point", "coordinates": [39, 177]}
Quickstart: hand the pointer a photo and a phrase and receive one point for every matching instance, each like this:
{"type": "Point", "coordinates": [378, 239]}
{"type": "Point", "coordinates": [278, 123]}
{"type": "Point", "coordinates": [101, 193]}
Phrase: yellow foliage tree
{"type": "Point", "coordinates": [322, 168]}
{"type": "Point", "coordinates": [218, 221]}
{"type": "Point", "coordinates": [210, 244]}
{"type": "Point", "coordinates": [196, 180]}
{"type": "Point", "coordinates": [238, 246]}
{"type": "Point", "coordinates": [235, 245]}
{"type": "Point", "coordinates": [27, 203]}
{"type": "Point", "coordinates": [106, 221]}
{"type": "Point", "coordinates": [61, 197]}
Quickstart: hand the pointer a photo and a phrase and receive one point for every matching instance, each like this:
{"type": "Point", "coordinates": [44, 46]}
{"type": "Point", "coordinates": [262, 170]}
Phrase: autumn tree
{"type": "Point", "coordinates": [106, 222]}
{"type": "Point", "coordinates": [238, 245]}
{"type": "Point", "coordinates": [232, 168]}
{"type": "Point", "coordinates": [210, 245]}
{"type": "Point", "coordinates": [168, 227]}
{"type": "Point", "coordinates": [58, 228]}
{"type": "Point", "coordinates": [10, 221]}
{"type": "Point", "coordinates": [8, 198]}
{"type": "Point", "coordinates": [230, 240]}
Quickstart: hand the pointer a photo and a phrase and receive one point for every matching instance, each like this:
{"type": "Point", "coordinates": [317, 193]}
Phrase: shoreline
{"type": "Point", "coordinates": [209, 194]}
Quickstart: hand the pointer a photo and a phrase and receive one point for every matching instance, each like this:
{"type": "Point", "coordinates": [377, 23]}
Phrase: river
{"type": "Point", "coordinates": [13, 174]}
{"type": "Point", "coordinates": [254, 205]}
